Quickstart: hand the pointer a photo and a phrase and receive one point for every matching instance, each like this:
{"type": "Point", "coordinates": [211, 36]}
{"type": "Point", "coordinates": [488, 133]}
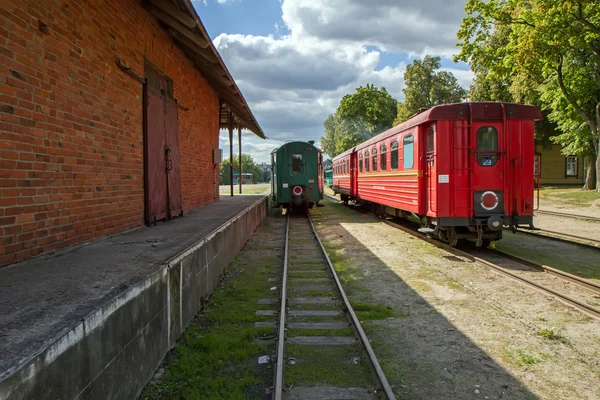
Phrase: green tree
{"type": "Point", "coordinates": [552, 50]}
{"type": "Point", "coordinates": [426, 86]}
{"type": "Point", "coordinates": [248, 166]}
{"type": "Point", "coordinates": [360, 116]}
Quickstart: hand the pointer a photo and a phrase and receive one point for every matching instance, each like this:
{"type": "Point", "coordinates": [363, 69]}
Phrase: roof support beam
{"type": "Point", "coordinates": [194, 41]}
{"type": "Point", "coordinates": [178, 15]}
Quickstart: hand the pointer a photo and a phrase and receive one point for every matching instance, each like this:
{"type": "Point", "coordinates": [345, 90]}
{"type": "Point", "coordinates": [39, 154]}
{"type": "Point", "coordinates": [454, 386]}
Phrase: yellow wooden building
{"type": "Point", "coordinates": [558, 169]}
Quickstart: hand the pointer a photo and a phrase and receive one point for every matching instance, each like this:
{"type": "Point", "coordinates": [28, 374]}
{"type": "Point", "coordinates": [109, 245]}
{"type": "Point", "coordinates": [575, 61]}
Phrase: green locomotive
{"type": "Point", "coordinates": [297, 175]}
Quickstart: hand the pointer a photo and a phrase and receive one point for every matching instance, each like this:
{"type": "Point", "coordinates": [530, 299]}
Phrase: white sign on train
{"type": "Point", "coordinates": [443, 178]}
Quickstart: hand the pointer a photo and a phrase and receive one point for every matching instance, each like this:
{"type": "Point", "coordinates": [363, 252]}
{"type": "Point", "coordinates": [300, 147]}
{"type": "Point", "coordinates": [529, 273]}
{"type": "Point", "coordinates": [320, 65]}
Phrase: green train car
{"type": "Point", "coordinates": [297, 175]}
{"type": "Point", "coordinates": [329, 177]}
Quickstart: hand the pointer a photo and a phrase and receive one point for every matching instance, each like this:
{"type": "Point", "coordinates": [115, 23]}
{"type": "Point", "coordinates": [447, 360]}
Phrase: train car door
{"type": "Point", "coordinates": [487, 167]}
{"type": "Point", "coordinates": [431, 172]}
{"type": "Point", "coordinates": [353, 174]}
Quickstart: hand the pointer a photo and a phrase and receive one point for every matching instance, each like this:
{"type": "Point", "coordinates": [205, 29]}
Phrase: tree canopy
{"type": "Point", "coordinates": [550, 50]}
{"type": "Point", "coordinates": [248, 166]}
{"type": "Point", "coordinates": [426, 86]}
{"type": "Point", "coordinates": [360, 116]}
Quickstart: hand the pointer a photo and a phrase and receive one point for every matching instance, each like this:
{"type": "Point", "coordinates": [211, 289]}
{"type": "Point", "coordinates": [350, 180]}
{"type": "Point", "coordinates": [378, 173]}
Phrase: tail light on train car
{"type": "Point", "coordinates": [297, 190]}
{"type": "Point", "coordinates": [489, 200]}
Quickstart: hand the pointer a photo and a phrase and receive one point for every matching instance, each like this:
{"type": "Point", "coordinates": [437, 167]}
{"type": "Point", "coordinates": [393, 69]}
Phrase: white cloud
{"type": "Point", "coordinates": [293, 82]}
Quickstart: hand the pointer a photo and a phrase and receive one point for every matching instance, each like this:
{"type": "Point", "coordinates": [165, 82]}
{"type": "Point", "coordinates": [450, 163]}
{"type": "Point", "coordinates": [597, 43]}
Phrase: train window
{"type": "Point", "coordinates": [487, 146]}
{"type": "Point", "coordinates": [394, 155]}
{"type": "Point", "coordinates": [383, 157]}
{"type": "Point", "coordinates": [367, 161]}
{"type": "Point", "coordinates": [409, 144]}
{"type": "Point", "coordinates": [345, 167]}
{"type": "Point", "coordinates": [430, 140]}
{"type": "Point", "coordinates": [374, 152]}
{"type": "Point", "coordinates": [360, 162]}
{"type": "Point", "coordinates": [296, 163]}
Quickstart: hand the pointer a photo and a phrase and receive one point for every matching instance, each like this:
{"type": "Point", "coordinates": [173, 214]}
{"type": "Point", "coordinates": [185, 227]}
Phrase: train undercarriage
{"type": "Point", "coordinates": [484, 229]}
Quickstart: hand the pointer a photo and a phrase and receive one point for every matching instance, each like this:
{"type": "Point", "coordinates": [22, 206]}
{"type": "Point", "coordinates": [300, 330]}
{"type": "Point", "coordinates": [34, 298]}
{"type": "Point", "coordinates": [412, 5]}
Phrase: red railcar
{"type": "Point", "coordinates": [344, 180]}
{"type": "Point", "coordinates": [465, 170]}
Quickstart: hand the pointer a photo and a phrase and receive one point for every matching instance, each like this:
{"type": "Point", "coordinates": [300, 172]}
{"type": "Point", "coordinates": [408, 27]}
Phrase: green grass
{"type": "Point", "coordinates": [215, 357]}
{"type": "Point", "coordinates": [526, 359]}
{"type": "Point", "coordinates": [258, 188]}
{"type": "Point", "coordinates": [327, 365]}
{"type": "Point", "coordinates": [569, 196]}
{"type": "Point", "coordinates": [365, 311]}
{"type": "Point", "coordinates": [581, 197]}
{"type": "Point", "coordinates": [551, 335]}
{"type": "Point", "coordinates": [578, 261]}
{"type": "Point", "coordinates": [320, 332]}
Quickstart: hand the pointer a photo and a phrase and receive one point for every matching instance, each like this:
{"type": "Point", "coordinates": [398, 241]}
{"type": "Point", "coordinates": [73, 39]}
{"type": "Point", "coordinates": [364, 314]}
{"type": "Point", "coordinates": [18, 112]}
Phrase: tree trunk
{"type": "Point", "coordinates": [598, 169]}
{"type": "Point", "coordinates": [597, 145]}
{"type": "Point", "coordinates": [590, 180]}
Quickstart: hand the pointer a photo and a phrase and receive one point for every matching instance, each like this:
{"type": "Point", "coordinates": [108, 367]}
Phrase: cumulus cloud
{"type": "Point", "coordinates": [294, 81]}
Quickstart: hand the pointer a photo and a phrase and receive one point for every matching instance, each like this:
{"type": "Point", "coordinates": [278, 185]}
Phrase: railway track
{"type": "Point", "coordinates": [566, 215]}
{"type": "Point", "coordinates": [319, 337]}
{"type": "Point", "coordinates": [564, 237]}
{"type": "Point", "coordinates": [568, 288]}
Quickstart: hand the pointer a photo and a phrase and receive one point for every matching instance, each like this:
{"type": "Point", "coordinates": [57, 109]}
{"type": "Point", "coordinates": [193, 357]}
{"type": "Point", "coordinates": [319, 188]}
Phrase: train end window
{"type": "Point", "coordinates": [383, 156]}
{"type": "Point", "coordinates": [367, 163]}
{"type": "Point", "coordinates": [296, 163]}
{"type": "Point", "coordinates": [431, 140]}
{"type": "Point", "coordinates": [374, 153]}
{"type": "Point", "coordinates": [360, 162]}
{"type": "Point", "coordinates": [394, 155]}
{"type": "Point", "coordinates": [409, 146]}
{"type": "Point", "coordinates": [487, 146]}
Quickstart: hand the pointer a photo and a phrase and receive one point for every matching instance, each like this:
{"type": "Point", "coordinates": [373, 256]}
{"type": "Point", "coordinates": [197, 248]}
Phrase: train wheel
{"type": "Point", "coordinates": [448, 236]}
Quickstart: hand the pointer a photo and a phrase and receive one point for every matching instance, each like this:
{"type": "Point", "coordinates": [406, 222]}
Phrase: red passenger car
{"type": "Point", "coordinates": [465, 170]}
{"type": "Point", "coordinates": [344, 180]}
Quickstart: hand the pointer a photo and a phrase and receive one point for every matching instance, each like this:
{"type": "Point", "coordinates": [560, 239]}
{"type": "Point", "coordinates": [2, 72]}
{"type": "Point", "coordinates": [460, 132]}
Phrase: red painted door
{"type": "Point", "coordinates": [432, 174]}
{"type": "Point", "coordinates": [154, 158]}
{"type": "Point", "coordinates": [162, 159]}
{"type": "Point", "coordinates": [487, 140]}
{"type": "Point", "coordinates": [173, 159]}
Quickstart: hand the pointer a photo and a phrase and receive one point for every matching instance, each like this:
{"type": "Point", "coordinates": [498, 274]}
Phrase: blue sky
{"type": "Point", "coordinates": [295, 59]}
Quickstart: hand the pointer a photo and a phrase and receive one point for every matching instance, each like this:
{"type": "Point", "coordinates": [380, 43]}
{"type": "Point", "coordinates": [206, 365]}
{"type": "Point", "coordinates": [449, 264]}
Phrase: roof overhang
{"type": "Point", "coordinates": [181, 21]}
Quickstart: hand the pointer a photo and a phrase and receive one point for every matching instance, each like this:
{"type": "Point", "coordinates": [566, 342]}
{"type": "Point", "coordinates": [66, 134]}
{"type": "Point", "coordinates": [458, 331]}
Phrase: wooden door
{"type": "Point", "coordinates": [154, 157]}
{"type": "Point", "coordinates": [173, 159]}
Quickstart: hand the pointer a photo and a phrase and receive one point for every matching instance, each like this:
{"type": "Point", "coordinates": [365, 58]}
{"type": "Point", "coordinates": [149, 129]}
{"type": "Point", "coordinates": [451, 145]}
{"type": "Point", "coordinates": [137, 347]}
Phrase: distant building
{"type": "Point", "coordinates": [265, 166]}
{"type": "Point", "coordinates": [558, 169]}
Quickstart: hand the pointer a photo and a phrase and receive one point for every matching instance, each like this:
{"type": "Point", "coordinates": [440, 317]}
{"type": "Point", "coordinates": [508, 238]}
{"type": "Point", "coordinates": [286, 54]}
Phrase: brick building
{"type": "Point", "coordinates": [109, 118]}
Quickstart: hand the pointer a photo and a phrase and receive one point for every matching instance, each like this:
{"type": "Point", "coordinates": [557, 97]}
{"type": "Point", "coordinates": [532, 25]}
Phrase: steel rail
{"type": "Point", "coordinates": [566, 215]}
{"type": "Point", "coordinates": [278, 387]}
{"type": "Point", "coordinates": [592, 286]}
{"type": "Point", "coordinates": [589, 310]}
{"type": "Point", "coordinates": [545, 233]}
{"type": "Point", "coordinates": [382, 380]}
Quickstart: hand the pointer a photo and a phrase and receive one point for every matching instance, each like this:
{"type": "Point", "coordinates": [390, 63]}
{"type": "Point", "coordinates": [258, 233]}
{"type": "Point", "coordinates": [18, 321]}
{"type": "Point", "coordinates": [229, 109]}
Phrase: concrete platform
{"type": "Point", "coordinates": [95, 322]}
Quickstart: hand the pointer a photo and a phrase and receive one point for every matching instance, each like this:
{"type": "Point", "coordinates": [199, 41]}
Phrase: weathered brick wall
{"type": "Point", "coordinates": [71, 137]}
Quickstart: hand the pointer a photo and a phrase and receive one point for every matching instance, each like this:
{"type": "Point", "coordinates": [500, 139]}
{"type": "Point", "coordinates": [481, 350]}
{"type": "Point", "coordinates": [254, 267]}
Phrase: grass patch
{"type": "Point", "coordinates": [215, 357]}
{"type": "Point", "coordinates": [320, 332]}
{"type": "Point", "coordinates": [366, 311]}
{"type": "Point", "coordinates": [551, 335]}
{"type": "Point", "coordinates": [258, 188]}
{"type": "Point", "coordinates": [524, 358]}
{"type": "Point", "coordinates": [326, 365]}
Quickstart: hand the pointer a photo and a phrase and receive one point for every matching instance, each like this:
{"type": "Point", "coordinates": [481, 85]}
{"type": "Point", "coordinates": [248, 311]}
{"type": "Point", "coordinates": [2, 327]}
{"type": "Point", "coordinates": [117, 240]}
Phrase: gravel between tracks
{"type": "Point", "coordinates": [468, 332]}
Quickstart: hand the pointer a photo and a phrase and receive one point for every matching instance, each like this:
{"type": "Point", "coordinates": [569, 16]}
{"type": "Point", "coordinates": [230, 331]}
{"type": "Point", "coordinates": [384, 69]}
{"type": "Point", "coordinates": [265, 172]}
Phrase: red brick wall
{"type": "Point", "coordinates": [71, 140]}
